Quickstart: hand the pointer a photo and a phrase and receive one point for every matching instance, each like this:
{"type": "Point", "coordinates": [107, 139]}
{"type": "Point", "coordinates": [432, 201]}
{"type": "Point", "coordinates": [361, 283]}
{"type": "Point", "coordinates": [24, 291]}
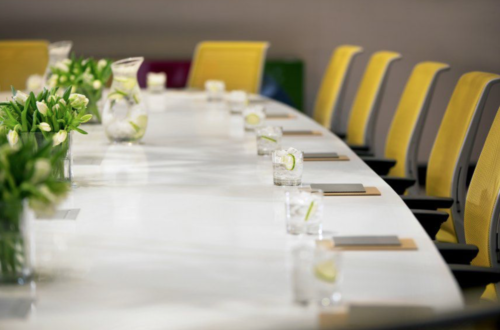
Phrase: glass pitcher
{"type": "Point", "coordinates": [125, 116]}
{"type": "Point", "coordinates": [58, 52]}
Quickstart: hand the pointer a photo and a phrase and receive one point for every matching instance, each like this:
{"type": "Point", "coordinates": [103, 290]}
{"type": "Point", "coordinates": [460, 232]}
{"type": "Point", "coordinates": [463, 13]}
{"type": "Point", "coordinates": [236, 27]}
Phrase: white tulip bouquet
{"type": "Point", "coordinates": [85, 76]}
{"type": "Point", "coordinates": [25, 175]}
{"type": "Point", "coordinates": [47, 116]}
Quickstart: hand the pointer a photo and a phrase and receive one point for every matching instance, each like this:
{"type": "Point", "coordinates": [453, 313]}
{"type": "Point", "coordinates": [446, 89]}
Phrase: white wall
{"type": "Point", "coordinates": [463, 33]}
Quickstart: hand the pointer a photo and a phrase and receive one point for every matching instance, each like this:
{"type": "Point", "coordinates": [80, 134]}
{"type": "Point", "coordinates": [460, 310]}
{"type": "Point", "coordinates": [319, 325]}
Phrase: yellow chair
{"type": "Point", "coordinates": [450, 155]}
{"type": "Point", "coordinates": [330, 95]}
{"type": "Point", "coordinates": [401, 149]}
{"type": "Point", "coordinates": [482, 220]}
{"type": "Point", "coordinates": [19, 60]}
{"type": "Point", "coordinates": [238, 64]}
{"type": "Point", "coordinates": [360, 129]}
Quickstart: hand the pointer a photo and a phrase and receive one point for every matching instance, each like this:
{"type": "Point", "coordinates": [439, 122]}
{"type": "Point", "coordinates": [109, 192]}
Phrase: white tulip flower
{"type": "Point", "coordinates": [34, 82]}
{"type": "Point", "coordinates": [56, 107]}
{"type": "Point", "coordinates": [63, 79]}
{"type": "Point", "coordinates": [20, 97]}
{"type": "Point", "coordinates": [60, 137]}
{"type": "Point", "coordinates": [97, 84]}
{"type": "Point", "coordinates": [53, 81]}
{"type": "Point", "coordinates": [45, 127]}
{"type": "Point", "coordinates": [86, 118]}
{"type": "Point", "coordinates": [101, 64]}
{"type": "Point", "coordinates": [12, 137]}
{"type": "Point", "coordinates": [42, 170]}
{"type": "Point", "coordinates": [52, 98]}
{"type": "Point", "coordinates": [62, 101]}
{"type": "Point", "coordinates": [62, 66]}
{"type": "Point", "coordinates": [78, 101]}
{"type": "Point", "coordinates": [45, 191]}
{"type": "Point", "coordinates": [42, 107]}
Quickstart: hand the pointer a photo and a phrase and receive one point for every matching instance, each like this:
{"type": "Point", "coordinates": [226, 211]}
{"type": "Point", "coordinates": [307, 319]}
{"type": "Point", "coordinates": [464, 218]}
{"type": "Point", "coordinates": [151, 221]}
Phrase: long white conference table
{"type": "Point", "coordinates": [186, 231]}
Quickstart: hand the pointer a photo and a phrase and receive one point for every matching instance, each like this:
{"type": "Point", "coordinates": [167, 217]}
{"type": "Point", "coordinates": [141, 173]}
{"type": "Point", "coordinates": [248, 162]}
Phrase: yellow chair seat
{"type": "Point", "coordinates": [21, 59]}
{"type": "Point", "coordinates": [238, 64]}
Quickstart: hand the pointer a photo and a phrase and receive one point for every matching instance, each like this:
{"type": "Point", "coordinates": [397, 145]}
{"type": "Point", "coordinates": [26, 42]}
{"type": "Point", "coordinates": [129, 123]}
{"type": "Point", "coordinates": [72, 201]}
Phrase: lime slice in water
{"type": "Point", "coordinates": [311, 210]}
{"type": "Point", "coordinates": [127, 83]}
{"type": "Point", "coordinates": [252, 119]}
{"type": "Point", "coordinates": [268, 139]}
{"type": "Point", "coordinates": [326, 271]}
{"type": "Point", "coordinates": [289, 162]}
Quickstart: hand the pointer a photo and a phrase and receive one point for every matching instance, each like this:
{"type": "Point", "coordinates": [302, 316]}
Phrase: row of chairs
{"type": "Point", "coordinates": [449, 213]}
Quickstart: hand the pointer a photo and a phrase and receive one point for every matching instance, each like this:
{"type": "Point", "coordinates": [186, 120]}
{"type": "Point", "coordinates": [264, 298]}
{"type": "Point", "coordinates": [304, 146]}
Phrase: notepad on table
{"type": "Point", "coordinates": [341, 241]}
{"type": "Point", "coordinates": [320, 155]}
{"type": "Point", "coordinates": [283, 115]}
{"type": "Point", "coordinates": [301, 132]}
{"type": "Point", "coordinates": [339, 187]}
{"type": "Point", "coordinates": [369, 243]}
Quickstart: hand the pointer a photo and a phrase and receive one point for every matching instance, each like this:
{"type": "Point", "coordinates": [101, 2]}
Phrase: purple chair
{"type": "Point", "coordinates": [177, 72]}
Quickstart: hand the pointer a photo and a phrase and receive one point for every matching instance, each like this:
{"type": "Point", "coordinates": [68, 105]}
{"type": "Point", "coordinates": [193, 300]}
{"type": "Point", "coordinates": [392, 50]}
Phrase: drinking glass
{"type": "Point", "coordinates": [327, 275]}
{"type": "Point", "coordinates": [156, 82]}
{"type": "Point", "coordinates": [268, 139]}
{"type": "Point", "coordinates": [254, 117]}
{"type": "Point", "coordinates": [237, 101]}
{"type": "Point", "coordinates": [304, 212]}
{"type": "Point", "coordinates": [215, 90]}
{"type": "Point", "coordinates": [287, 167]}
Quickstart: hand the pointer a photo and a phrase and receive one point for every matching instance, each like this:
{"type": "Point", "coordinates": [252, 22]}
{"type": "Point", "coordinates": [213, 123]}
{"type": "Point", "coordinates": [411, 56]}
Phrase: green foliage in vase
{"type": "Point", "coordinates": [48, 113]}
{"type": "Point", "coordinates": [85, 76]}
{"type": "Point", "coordinates": [25, 175]}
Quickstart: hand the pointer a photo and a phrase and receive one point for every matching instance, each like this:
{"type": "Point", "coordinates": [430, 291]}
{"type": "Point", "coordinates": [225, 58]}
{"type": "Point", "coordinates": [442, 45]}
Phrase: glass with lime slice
{"type": "Point", "coordinates": [326, 270]}
{"type": "Point", "coordinates": [268, 139]}
{"type": "Point", "coordinates": [287, 167]}
{"type": "Point", "coordinates": [215, 90]}
{"type": "Point", "coordinates": [254, 117]}
{"type": "Point", "coordinates": [304, 212]}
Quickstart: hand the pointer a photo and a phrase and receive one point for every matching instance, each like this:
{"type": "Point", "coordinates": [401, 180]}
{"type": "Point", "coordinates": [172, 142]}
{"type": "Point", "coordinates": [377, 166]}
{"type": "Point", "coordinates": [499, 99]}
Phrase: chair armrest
{"type": "Point", "coordinates": [357, 148]}
{"type": "Point", "coordinates": [457, 253]}
{"type": "Point", "coordinates": [381, 166]}
{"type": "Point", "coordinates": [427, 202]}
{"type": "Point", "coordinates": [474, 276]}
{"type": "Point", "coordinates": [341, 135]}
{"type": "Point", "coordinates": [364, 153]}
{"type": "Point", "coordinates": [431, 220]}
{"type": "Point", "coordinates": [399, 184]}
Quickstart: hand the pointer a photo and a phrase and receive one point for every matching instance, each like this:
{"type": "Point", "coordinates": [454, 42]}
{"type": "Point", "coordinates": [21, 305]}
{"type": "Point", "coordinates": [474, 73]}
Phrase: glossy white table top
{"type": "Point", "coordinates": [186, 231]}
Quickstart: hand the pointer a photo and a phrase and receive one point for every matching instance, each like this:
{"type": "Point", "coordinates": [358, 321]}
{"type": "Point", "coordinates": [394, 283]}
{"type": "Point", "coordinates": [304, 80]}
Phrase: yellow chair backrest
{"type": "Point", "coordinates": [450, 154]}
{"type": "Point", "coordinates": [367, 101]}
{"type": "Point", "coordinates": [482, 208]}
{"type": "Point", "coordinates": [19, 60]}
{"type": "Point", "coordinates": [238, 64]}
{"type": "Point", "coordinates": [329, 98]}
{"type": "Point", "coordinates": [408, 122]}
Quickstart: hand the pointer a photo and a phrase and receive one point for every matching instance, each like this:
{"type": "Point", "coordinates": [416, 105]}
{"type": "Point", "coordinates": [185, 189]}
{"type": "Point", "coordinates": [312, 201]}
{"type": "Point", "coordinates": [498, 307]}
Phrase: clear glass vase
{"type": "Point", "coordinates": [95, 104]}
{"type": "Point", "coordinates": [16, 243]}
{"type": "Point", "coordinates": [62, 169]}
{"type": "Point", "coordinates": [125, 116]}
{"type": "Point", "coordinates": [58, 52]}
